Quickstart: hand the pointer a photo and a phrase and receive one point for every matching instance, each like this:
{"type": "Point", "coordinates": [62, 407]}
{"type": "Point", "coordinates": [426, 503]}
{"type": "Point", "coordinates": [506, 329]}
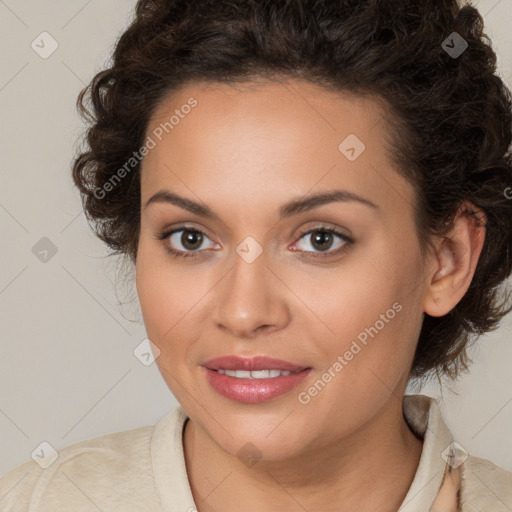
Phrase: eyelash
{"type": "Point", "coordinates": [196, 254]}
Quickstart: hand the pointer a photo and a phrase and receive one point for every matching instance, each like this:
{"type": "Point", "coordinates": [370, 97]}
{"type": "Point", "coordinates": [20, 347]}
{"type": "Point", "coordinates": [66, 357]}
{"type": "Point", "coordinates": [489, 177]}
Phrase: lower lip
{"type": "Point", "coordinates": [254, 391]}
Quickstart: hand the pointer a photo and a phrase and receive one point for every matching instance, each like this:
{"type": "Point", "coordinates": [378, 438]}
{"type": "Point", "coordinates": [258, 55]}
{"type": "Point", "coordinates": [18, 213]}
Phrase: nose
{"type": "Point", "coordinates": [251, 300]}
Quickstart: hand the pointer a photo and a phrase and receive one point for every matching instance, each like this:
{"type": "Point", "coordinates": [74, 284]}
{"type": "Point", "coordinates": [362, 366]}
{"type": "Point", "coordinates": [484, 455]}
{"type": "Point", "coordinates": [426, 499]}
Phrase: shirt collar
{"type": "Point", "coordinates": [421, 412]}
{"type": "Point", "coordinates": [423, 416]}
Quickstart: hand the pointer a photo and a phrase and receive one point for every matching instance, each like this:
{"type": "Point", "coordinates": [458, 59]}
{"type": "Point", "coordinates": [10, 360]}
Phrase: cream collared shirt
{"type": "Point", "coordinates": [144, 470]}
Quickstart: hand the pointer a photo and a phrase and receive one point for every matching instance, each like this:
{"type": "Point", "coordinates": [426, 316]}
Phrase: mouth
{"type": "Point", "coordinates": [256, 374]}
{"type": "Point", "coordinates": [253, 379]}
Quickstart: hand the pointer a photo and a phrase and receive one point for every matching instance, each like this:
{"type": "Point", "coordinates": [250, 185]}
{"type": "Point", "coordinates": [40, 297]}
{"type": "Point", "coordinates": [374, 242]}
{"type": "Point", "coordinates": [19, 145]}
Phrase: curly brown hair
{"type": "Point", "coordinates": [449, 116]}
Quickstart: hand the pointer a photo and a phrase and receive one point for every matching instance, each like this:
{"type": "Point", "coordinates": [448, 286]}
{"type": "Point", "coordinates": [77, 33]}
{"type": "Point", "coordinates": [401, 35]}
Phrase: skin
{"type": "Point", "coordinates": [245, 152]}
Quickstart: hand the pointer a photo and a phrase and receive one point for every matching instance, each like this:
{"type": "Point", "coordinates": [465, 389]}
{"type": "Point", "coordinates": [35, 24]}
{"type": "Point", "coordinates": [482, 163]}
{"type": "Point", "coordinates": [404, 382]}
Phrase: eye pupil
{"type": "Point", "coordinates": [320, 238]}
{"type": "Point", "coordinates": [191, 237]}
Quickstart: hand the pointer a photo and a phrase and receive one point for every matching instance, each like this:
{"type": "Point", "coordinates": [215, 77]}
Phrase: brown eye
{"type": "Point", "coordinates": [323, 242]}
{"type": "Point", "coordinates": [322, 239]}
{"type": "Point", "coordinates": [184, 242]}
{"type": "Point", "coordinates": [190, 239]}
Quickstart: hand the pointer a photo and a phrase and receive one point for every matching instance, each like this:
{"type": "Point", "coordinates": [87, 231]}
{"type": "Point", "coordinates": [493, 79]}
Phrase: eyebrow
{"type": "Point", "coordinates": [291, 208]}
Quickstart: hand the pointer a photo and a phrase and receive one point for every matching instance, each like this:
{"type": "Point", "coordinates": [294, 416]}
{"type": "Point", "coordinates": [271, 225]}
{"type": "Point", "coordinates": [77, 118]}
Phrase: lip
{"type": "Point", "coordinates": [254, 363]}
{"type": "Point", "coordinates": [253, 391]}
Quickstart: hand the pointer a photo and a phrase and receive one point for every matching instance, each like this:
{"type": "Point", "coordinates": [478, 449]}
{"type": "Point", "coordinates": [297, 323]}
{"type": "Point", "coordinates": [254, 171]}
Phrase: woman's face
{"type": "Point", "coordinates": [260, 277]}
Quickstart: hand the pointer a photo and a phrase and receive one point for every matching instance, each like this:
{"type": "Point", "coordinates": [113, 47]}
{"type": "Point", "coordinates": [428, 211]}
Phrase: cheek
{"type": "Point", "coordinates": [161, 293]}
{"type": "Point", "coordinates": [373, 312]}
{"type": "Point", "coordinates": [172, 298]}
{"type": "Point", "coordinates": [164, 304]}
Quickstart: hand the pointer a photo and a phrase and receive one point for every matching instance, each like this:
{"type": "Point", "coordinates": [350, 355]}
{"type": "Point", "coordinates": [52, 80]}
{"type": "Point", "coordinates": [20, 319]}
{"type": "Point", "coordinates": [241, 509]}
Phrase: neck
{"type": "Point", "coordinates": [372, 469]}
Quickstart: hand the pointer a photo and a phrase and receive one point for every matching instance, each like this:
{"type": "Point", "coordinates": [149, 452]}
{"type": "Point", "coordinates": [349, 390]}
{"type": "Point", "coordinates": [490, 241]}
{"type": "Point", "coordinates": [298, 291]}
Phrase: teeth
{"type": "Point", "coordinates": [257, 374]}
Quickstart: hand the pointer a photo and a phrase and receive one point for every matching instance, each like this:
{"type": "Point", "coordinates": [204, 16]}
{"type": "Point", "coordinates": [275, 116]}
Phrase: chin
{"type": "Point", "coordinates": [265, 437]}
{"type": "Point", "coordinates": [258, 448]}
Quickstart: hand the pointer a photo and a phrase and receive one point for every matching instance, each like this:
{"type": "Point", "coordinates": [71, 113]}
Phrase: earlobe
{"type": "Point", "coordinates": [455, 260]}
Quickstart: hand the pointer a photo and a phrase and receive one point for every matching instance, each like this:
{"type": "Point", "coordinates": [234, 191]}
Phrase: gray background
{"type": "Point", "coordinates": [67, 368]}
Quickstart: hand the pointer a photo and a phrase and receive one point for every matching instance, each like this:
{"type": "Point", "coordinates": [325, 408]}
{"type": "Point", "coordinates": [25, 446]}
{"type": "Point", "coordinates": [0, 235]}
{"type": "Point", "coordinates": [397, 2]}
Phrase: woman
{"type": "Point", "coordinates": [314, 197]}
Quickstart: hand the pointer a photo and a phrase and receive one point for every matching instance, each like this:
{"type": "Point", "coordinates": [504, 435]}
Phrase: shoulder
{"type": "Point", "coordinates": [83, 475]}
{"type": "Point", "coordinates": [485, 486]}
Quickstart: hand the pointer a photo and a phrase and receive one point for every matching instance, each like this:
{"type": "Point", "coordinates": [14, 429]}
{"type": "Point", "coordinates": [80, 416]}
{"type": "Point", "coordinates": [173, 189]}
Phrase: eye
{"type": "Point", "coordinates": [323, 240]}
{"type": "Point", "coordinates": [186, 242]}
{"type": "Point", "coordinates": [191, 240]}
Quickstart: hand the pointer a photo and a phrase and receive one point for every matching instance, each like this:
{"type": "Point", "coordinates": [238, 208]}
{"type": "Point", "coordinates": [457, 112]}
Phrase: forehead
{"type": "Point", "coordinates": [275, 138]}
{"type": "Point", "coordinates": [289, 108]}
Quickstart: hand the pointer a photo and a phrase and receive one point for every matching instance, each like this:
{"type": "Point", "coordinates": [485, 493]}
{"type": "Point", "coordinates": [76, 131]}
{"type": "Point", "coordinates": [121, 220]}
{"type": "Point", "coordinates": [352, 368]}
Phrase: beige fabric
{"type": "Point", "coordinates": [144, 470]}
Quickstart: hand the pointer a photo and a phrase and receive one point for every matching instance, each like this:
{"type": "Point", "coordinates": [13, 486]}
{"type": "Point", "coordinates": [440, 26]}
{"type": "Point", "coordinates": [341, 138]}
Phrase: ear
{"type": "Point", "coordinates": [455, 260]}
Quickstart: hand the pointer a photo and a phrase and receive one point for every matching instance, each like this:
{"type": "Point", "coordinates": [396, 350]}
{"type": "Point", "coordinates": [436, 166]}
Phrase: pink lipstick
{"type": "Point", "coordinates": [253, 379]}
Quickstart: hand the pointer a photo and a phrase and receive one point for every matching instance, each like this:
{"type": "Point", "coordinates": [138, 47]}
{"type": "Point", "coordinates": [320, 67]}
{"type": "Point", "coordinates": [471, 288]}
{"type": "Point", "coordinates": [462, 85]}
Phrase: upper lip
{"type": "Point", "coordinates": [254, 363]}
